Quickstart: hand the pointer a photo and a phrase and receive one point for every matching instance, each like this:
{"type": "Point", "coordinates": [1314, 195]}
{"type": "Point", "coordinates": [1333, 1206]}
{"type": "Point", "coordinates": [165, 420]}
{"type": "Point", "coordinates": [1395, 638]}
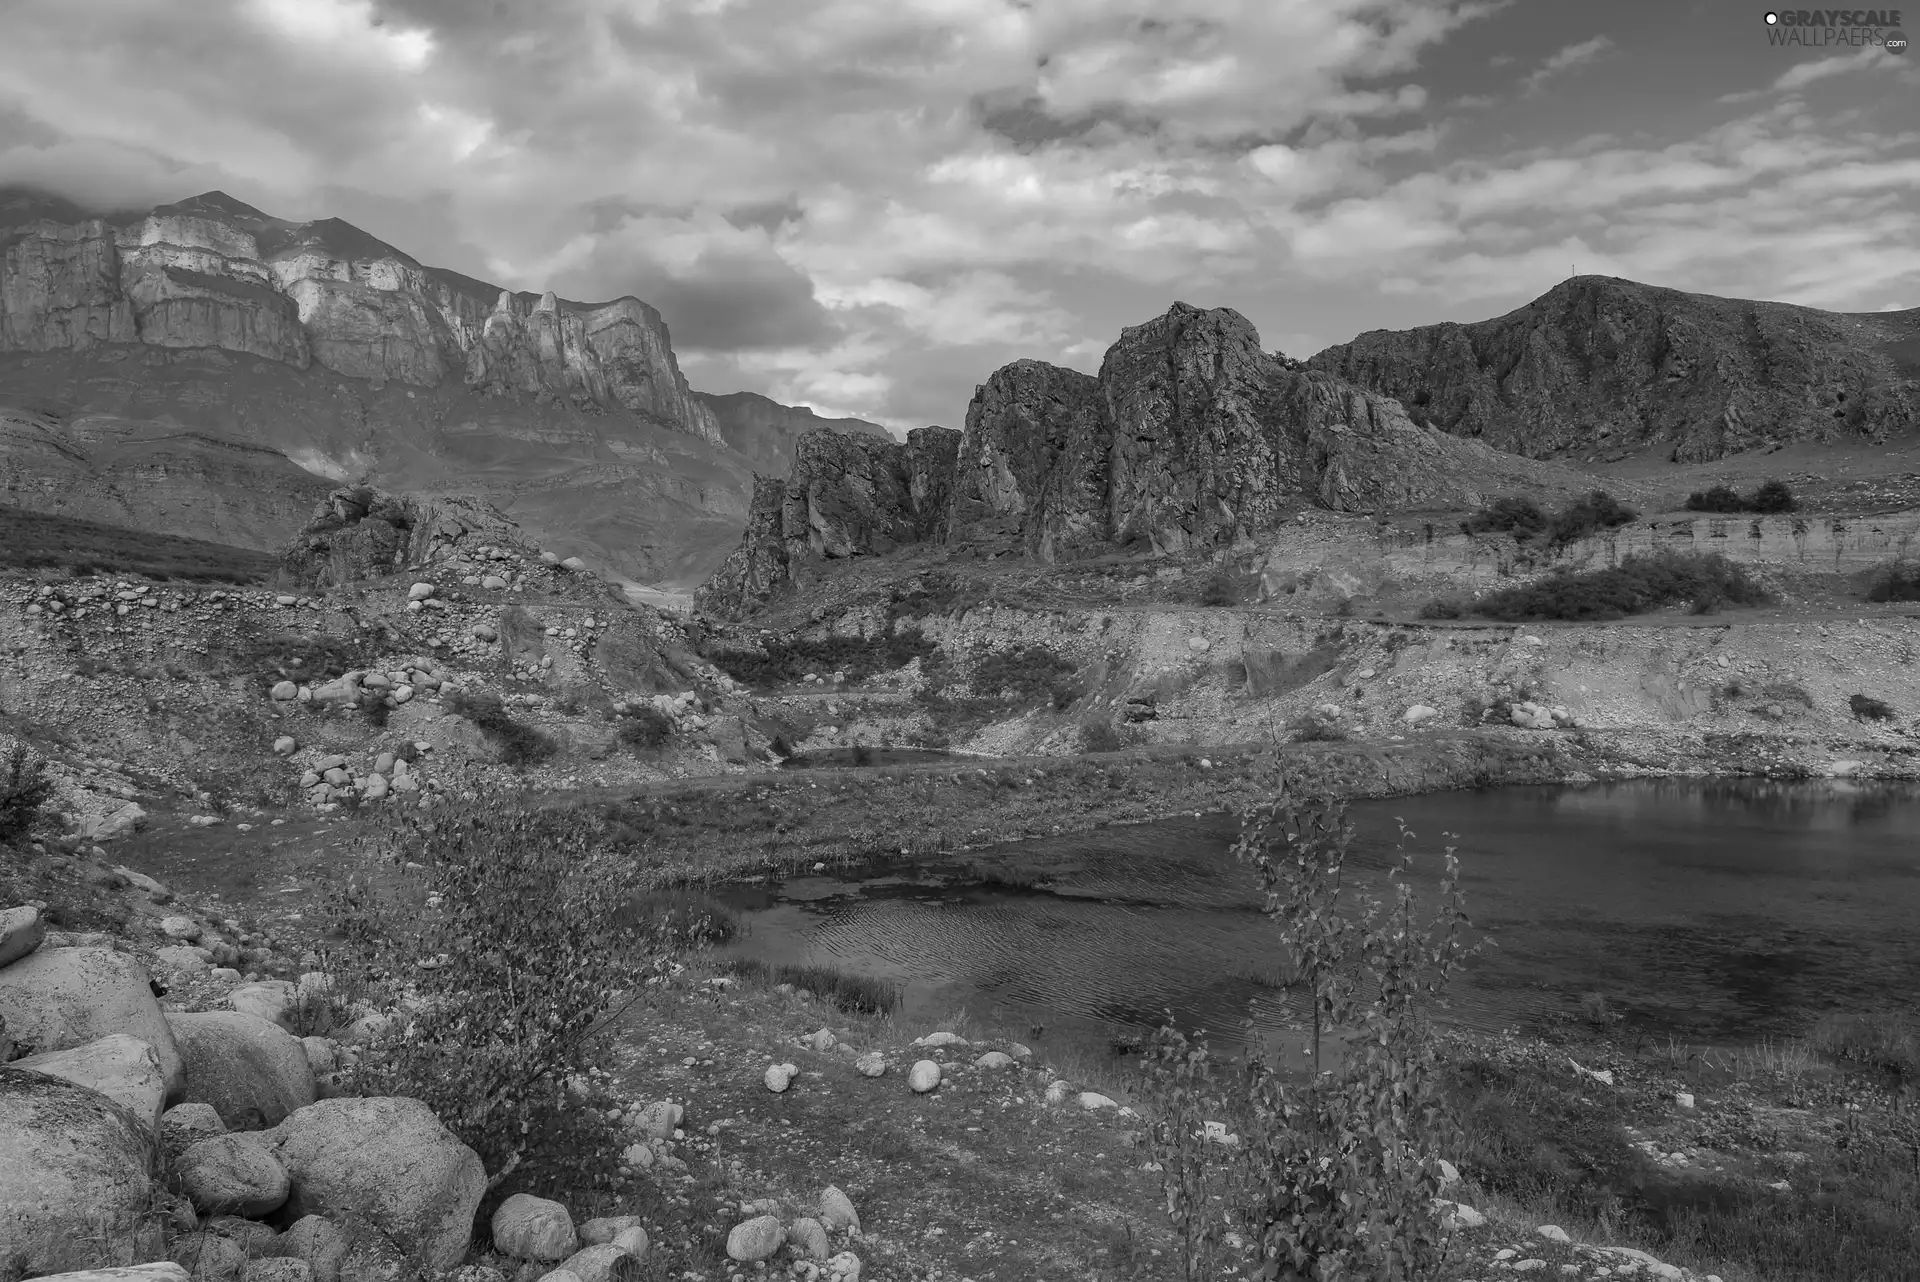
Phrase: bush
{"type": "Point", "coordinates": [780, 660]}
{"type": "Point", "coordinates": [644, 728]}
{"type": "Point", "coordinates": [1442, 608]}
{"type": "Point", "coordinates": [1519, 517]}
{"type": "Point", "coordinates": [24, 790]}
{"type": "Point", "coordinates": [522, 962]}
{"type": "Point", "coordinates": [1523, 519]}
{"type": "Point", "coordinates": [1599, 510]}
{"type": "Point", "coordinates": [1772, 497]}
{"type": "Point", "coordinates": [1866, 708]}
{"type": "Point", "coordinates": [1317, 729]}
{"type": "Point", "coordinates": [1100, 736]}
{"type": "Point", "coordinates": [1899, 581]}
{"type": "Point", "coordinates": [1335, 1176]}
{"type": "Point", "coordinates": [1023, 674]}
{"type": "Point", "coordinates": [1638, 584]}
{"type": "Point", "coordinates": [519, 744]}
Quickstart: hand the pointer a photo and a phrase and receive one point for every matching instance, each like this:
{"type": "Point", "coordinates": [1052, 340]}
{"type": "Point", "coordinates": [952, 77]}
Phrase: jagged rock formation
{"type": "Point", "coordinates": [214, 272]}
{"type": "Point", "coordinates": [1599, 364]}
{"type": "Point", "coordinates": [1191, 436]}
{"type": "Point", "coordinates": [362, 533]}
{"type": "Point", "coordinates": [765, 430]}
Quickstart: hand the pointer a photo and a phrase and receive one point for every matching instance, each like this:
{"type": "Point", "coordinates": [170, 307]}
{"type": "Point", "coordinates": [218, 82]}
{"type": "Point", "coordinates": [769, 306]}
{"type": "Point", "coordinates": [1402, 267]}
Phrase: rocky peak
{"type": "Point", "coordinates": [359, 532]}
{"type": "Point", "coordinates": [1191, 436]}
{"type": "Point", "coordinates": [1603, 365]}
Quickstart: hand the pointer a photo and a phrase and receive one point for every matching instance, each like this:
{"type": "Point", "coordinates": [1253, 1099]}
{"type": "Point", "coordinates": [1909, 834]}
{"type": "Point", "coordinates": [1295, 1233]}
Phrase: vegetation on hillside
{"type": "Point", "coordinates": [1771, 498]}
{"type": "Point", "coordinates": [778, 660]}
{"type": "Point", "coordinates": [1897, 581]}
{"type": "Point", "coordinates": [518, 743]}
{"type": "Point", "coordinates": [24, 790]}
{"type": "Point", "coordinates": [38, 541]}
{"type": "Point", "coordinates": [1525, 521]}
{"type": "Point", "coordinates": [1641, 582]}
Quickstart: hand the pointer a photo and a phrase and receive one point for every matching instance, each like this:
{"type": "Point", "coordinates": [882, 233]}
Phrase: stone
{"type": "Point", "coordinates": [251, 1071]}
{"type": "Point", "coordinates": [420, 591]}
{"type": "Point", "coordinates": [318, 1243]}
{"type": "Point", "coordinates": [187, 1124]}
{"type": "Point", "coordinates": [836, 1210]}
{"type": "Point", "coordinates": [844, 1267]}
{"type": "Point", "coordinates": [605, 1263]}
{"type": "Point", "coordinates": [323, 1056]}
{"type": "Point", "coordinates": [75, 1177]}
{"type": "Point", "coordinates": [285, 746]}
{"type": "Point", "coordinates": [658, 1119]}
{"type": "Point", "coordinates": [756, 1239]}
{"type": "Point", "coordinates": [166, 1271]}
{"type": "Point", "coordinates": [1449, 1174]}
{"type": "Point", "coordinates": [182, 959]}
{"type": "Point", "coordinates": [534, 1228]}
{"type": "Point", "coordinates": [1458, 1215]}
{"type": "Point", "coordinates": [124, 1069]}
{"type": "Point", "coordinates": [810, 1237]}
{"type": "Point", "coordinates": [633, 1240]}
{"type": "Point", "coordinates": [1091, 1100]}
{"type": "Point", "coordinates": [573, 563]}
{"type": "Point", "coordinates": [942, 1038]}
{"type": "Point", "coordinates": [1419, 714]}
{"type": "Point", "coordinates": [994, 1059]}
{"type": "Point", "coordinates": [285, 691]}
{"type": "Point", "coordinates": [388, 1160]}
{"type": "Point", "coordinates": [233, 1174]}
{"type": "Point", "coordinates": [923, 1076]}
{"type": "Point", "coordinates": [271, 1000]}
{"type": "Point", "coordinates": [493, 583]}
{"type": "Point", "coordinates": [1683, 1099]}
{"type": "Point", "coordinates": [602, 1229]}
{"type": "Point", "coordinates": [779, 1076]}
{"type": "Point", "coordinates": [184, 928]}
{"type": "Point", "coordinates": [822, 1040]}
{"type": "Point", "coordinates": [276, 1269]}
{"type": "Point", "coordinates": [872, 1064]}
{"type": "Point", "coordinates": [208, 1257]}
{"type": "Point", "coordinates": [21, 931]}
{"type": "Point", "coordinates": [58, 998]}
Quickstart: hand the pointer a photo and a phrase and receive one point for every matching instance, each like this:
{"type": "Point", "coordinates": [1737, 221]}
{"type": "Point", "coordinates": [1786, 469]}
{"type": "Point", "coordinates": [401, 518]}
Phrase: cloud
{"type": "Point", "coordinates": [1566, 59]}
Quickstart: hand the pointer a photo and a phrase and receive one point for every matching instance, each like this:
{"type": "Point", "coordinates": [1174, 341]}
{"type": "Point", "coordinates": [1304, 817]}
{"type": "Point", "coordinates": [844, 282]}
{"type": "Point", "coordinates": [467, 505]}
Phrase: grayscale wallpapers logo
{"type": "Point", "coordinates": [1835, 28]}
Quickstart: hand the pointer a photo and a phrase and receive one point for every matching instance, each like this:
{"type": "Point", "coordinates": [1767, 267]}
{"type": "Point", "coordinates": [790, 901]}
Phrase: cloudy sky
{"type": "Point", "coordinates": [867, 205]}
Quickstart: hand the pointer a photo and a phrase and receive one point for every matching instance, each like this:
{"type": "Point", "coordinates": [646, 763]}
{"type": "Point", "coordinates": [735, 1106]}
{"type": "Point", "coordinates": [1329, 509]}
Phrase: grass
{"type": "Point", "coordinates": [1896, 581]}
{"type": "Point", "coordinates": [518, 743]}
{"type": "Point", "coordinates": [1867, 708]}
{"type": "Point", "coordinates": [1771, 497]}
{"type": "Point", "coordinates": [1525, 521]}
{"type": "Point", "coordinates": [778, 661]}
{"type": "Point", "coordinates": [39, 541]}
{"type": "Point", "coordinates": [1640, 583]}
{"type": "Point", "coordinates": [847, 993]}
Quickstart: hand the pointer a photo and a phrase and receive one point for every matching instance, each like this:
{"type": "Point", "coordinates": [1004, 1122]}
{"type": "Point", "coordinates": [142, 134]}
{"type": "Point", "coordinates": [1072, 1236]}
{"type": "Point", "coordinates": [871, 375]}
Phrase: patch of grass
{"type": "Point", "coordinates": [1022, 675]}
{"type": "Point", "coordinates": [1104, 736]}
{"type": "Point", "coordinates": [1525, 521]}
{"type": "Point", "coordinates": [24, 791]}
{"type": "Point", "coordinates": [518, 743]}
{"type": "Point", "coordinates": [1896, 581]}
{"type": "Point", "coordinates": [38, 541]}
{"type": "Point", "coordinates": [1443, 608]}
{"type": "Point", "coordinates": [1866, 708]}
{"type": "Point", "coordinates": [1314, 728]}
{"type": "Point", "coordinates": [1638, 584]}
{"type": "Point", "coordinates": [780, 660]}
{"type": "Point", "coordinates": [1771, 497]}
{"type": "Point", "coordinates": [934, 593]}
{"type": "Point", "coordinates": [681, 917]}
{"type": "Point", "coordinates": [854, 994]}
{"type": "Point", "coordinates": [644, 728]}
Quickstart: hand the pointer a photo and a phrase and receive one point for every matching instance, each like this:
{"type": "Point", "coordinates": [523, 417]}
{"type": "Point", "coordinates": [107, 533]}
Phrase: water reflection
{"type": "Point", "coordinates": [1713, 911]}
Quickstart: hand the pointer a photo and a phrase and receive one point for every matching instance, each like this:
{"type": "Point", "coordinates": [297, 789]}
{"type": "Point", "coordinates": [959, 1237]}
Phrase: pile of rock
{"type": "Point", "coordinates": [400, 682]}
{"type": "Point", "coordinates": [333, 780]}
{"type": "Point", "coordinates": [759, 1236]}
{"type": "Point", "coordinates": [1529, 715]}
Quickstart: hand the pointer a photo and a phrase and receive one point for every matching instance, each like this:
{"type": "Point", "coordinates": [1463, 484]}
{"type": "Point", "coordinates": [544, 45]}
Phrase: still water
{"type": "Point", "coordinates": [1716, 912]}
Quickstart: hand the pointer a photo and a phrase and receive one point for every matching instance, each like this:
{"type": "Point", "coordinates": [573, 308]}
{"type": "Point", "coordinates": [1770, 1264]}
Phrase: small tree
{"type": "Point", "coordinates": [24, 789]}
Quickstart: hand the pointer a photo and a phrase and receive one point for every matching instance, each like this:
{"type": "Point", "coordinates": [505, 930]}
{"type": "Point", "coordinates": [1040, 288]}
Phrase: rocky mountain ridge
{"type": "Point", "coordinates": [1599, 366]}
{"type": "Point", "coordinates": [207, 369]}
{"type": "Point", "coordinates": [1190, 437]}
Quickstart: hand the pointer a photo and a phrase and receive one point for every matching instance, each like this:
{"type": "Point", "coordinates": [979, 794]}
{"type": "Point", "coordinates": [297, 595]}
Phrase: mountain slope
{"type": "Point", "coordinates": [1599, 365]}
{"type": "Point", "coordinates": [1190, 437]}
{"type": "Point", "coordinates": [232, 335]}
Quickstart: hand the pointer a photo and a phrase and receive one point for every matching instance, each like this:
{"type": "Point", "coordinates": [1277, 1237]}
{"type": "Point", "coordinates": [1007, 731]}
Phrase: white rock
{"type": "Point", "coordinates": [420, 591]}
{"type": "Point", "coordinates": [836, 1210]}
{"type": "Point", "coordinates": [1199, 645]}
{"type": "Point", "coordinates": [250, 1070]}
{"type": "Point", "coordinates": [1552, 1233]}
{"type": "Point", "coordinates": [1683, 1098]}
{"type": "Point", "coordinates": [756, 1239]}
{"type": "Point", "coordinates": [285, 745]}
{"type": "Point", "coordinates": [180, 928]}
{"type": "Point", "coordinates": [941, 1039]}
{"type": "Point", "coordinates": [58, 998]}
{"type": "Point", "coordinates": [1091, 1100]}
{"type": "Point", "coordinates": [872, 1064]}
{"type": "Point", "coordinates": [924, 1076]}
{"type": "Point", "coordinates": [994, 1059]}
{"type": "Point", "coordinates": [779, 1077]}
{"type": "Point", "coordinates": [534, 1228]}
{"type": "Point", "coordinates": [124, 1069]}
{"type": "Point", "coordinates": [74, 1177]}
{"type": "Point", "coordinates": [1419, 713]}
{"type": "Point", "coordinates": [285, 691]}
{"type": "Point", "coordinates": [233, 1174]}
{"type": "Point", "coordinates": [22, 930]}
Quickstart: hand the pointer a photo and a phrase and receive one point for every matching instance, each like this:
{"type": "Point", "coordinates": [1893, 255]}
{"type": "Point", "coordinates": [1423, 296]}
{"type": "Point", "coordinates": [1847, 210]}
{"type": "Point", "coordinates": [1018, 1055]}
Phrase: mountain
{"type": "Point", "coordinates": [152, 363]}
{"type": "Point", "coordinates": [765, 430]}
{"type": "Point", "coordinates": [1191, 436]}
{"type": "Point", "coordinates": [1599, 365]}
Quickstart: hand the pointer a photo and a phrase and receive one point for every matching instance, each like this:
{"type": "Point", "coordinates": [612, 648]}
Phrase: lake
{"type": "Point", "coordinates": [1716, 912]}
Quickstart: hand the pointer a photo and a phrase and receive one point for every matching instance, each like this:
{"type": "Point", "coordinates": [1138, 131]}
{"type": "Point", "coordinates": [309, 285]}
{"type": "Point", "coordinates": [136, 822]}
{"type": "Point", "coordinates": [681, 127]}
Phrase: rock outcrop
{"type": "Point", "coordinates": [212, 272]}
{"type": "Point", "coordinates": [766, 431]}
{"type": "Point", "coordinates": [359, 532]}
{"type": "Point", "coordinates": [1191, 436]}
{"type": "Point", "coordinates": [1603, 365]}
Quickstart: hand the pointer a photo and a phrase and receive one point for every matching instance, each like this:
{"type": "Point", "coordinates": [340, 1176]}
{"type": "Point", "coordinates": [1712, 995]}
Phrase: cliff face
{"type": "Point", "coordinates": [1602, 365]}
{"type": "Point", "coordinates": [1191, 436]}
{"type": "Point", "coordinates": [212, 272]}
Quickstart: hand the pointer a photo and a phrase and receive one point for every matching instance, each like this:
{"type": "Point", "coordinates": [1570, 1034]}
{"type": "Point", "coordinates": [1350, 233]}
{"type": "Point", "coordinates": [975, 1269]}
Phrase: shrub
{"type": "Point", "coordinates": [519, 965]}
{"type": "Point", "coordinates": [1100, 736]}
{"type": "Point", "coordinates": [1639, 583]}
{"type": "Point", "coordinates": [1772, 497]}
{"type": "Point", "coordinates": [375, 709]}
{"type": "Point", "coordinates": [1335, 1177]}
{"type": "Point", "coordinates": [1442, 608]}
{"type": "Point", "coordinates": [519, 744]}
{"type": "Point", "coordinates": [1023, 674]}
{"type": "Point", "coordinates": [1520, 517]}
{"type": "Point", "coordinates": [644, 728]}
{"type": "Point", "coordinates": [1317, 729]}
{"type": "Point", "coordinates": [1899, 581]}
{"type": "Point", "coordinates": [1599, 510]}
{"type": "Point", "coordinates": [24, 791]}
{"type": "Point", "coordinates": [1866, 708]}
{"type": "Point", "coordinates": [780, 660]}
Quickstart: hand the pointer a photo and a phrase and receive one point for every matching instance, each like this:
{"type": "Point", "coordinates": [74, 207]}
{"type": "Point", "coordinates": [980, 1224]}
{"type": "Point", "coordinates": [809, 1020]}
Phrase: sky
{"type": "Point", "coordinates": [867, 206]}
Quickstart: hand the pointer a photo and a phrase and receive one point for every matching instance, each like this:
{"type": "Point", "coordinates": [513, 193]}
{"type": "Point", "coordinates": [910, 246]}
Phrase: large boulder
{"type": "Point", "coordinates": [388, 1161]}
{"type": "Point", "coordinates": [317, 1241]}
{"type": "Point", "coordinates": [252, 1071]}
{"type": "Point", "coordinates": [166, 1271]}
{"type": "Point", "coordinates": [534, 1228]}
{"type": "Point", "coordinates": [122, 1068]}
{"type": "Point", "coordinates": [75, 1178]}
{"type": "Point", "coordinates": [233, 1174]}
{"type": "Point", "coordinates": [58, 998]}
{"type": "Point", "coordinates": [21, 930]}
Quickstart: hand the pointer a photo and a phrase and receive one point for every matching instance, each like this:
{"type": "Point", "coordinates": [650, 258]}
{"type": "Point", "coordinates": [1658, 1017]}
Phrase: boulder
{"type": "Point", "coordinates": [779, 1077]}
{"type": "Point", "coordinates": [809, 1236]}
{"type": "Point", "coordinates": [21, 931]}
{"type": "Point", "coordinates": [253, 1072]}
{"type": "Point", "coordinates": [234, 1174]}
{"type": "Point", "coordinates": [188, 1124]}
{"type": "Point", "coordinates": [276, 1269]}
{"type": "Point", "coordinates": [57, 998]}
{"type": "Point", "coordinates": [163, 1272]}
{"type": "Point", "coordinates": [182, 959]}
{"type": "Point", "coordinates": [872, 1064]}
{"type": "Point", "coordinates": [632, 1240]}
{"type": "Point", "coordinates": [75, 1177]}
{"type": "Point", "coordinates": [208, 1257]}
{"type": "Point", "coordinates": [534, 1228]}
{"type": "Point", "coordinates": [603, 1229]}
{"type": "Point", "coordinates": [388, 1160]}
{"type": "Point", "coordinates": [122, 1068]}
{"type": "Point", "coordinates": [924, 1076]}
{"type": "Point", "coordinates": [270, 999]}
{"type": "Point", "coordinates": [605, 1263]}
{"type": "Point", "coordinates": [836, 1210]}
{"type": "Point", "coordinates": [994, 1059]}
{"type": "Point", "coordinates": [317, 1242]}
{"type": "Point", "coordinates": [756, 1239]}
{"type": "Point", "coordinates": [658, 1119]}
